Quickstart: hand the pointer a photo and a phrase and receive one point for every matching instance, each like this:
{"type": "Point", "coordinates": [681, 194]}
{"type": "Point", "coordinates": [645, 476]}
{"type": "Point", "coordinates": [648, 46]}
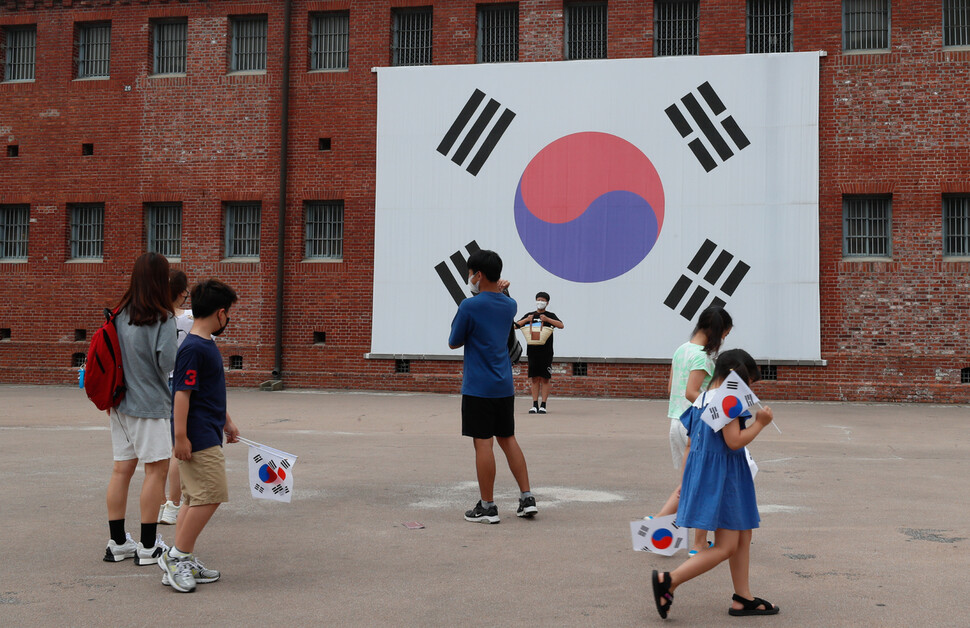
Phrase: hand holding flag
{"type": "Point", "coordinates": [728, 402]}
{"type": "Point", "coordinates": [660, 535]}
{"type": "Point", "coordinates": [270, 472]}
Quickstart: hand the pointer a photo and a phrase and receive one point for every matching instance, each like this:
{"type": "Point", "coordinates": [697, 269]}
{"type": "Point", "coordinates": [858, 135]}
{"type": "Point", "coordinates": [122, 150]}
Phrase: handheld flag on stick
{"type": "Point", "coordinates": [660, 535]}
{"type": "Point", "coordinates": [270, 472]}
{"type": "Point", "coordinates": [728, 402]}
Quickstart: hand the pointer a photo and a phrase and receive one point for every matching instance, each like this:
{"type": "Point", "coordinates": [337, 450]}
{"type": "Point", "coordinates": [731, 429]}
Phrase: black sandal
{"type": "Point", "coordinates": [661, 592]}
{"type": "Point", "coordinates": [750, 607]}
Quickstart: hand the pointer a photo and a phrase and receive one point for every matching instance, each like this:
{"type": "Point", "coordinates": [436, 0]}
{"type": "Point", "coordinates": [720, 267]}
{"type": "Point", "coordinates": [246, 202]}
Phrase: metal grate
{"type": "Point", "coordinates": [165, 228]}
{"type": "Point", "coordinates": [956, 226]}
{"type": "Point", "coordinates": [580, 369]}
{"type": "Point", "coordinates": [94, 50]}
{"type": "Point", "coordinates": [324, 229]}
{"type": "Point", "coordinates": [235, 362]}
{"type": "Point", "coordinates": [965, 375]}
{"type": "Point", "coordinates": [170, 39]}
{"type": "Point", "coordinates": [769, 373]}
{"type": "Point", "coordinates": [956, 22]}
{"type": "Point", "coordinates": [675, 27]}
{"type": "Point", "coordinates": [87, 230]}
{"type": "Point", "coordinates": [769, 26]}
{"type": "Point", "coordinates": [586, 30]}
{"type": "Point", "coordinates": [330, 41]}
{"type": "Point", "coordinates": [242, 229]}
{"type": "Point", "coordinates": [865, 24]}
{"type": "Point", "coordinates": [78, 360]}
{"type": "Point", "coordinates": [402, 366]}
{"type": "Point", "coordinates": [248, 43]}
{"type": "Point", "coordinates": [14, 225]}
{"type": "Point", "coordinates": [867, 226]}
{"type": "Point", "coordinates": [21, 48]}
{"type": "Point", "coordinates": [412, 36]}
{"type": "Point", "coordinates": [498, 33]}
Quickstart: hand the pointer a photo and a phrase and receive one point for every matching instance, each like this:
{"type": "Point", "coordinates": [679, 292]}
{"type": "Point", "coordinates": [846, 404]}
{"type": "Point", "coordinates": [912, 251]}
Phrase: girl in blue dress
{"type": "Point", "coordinates": [718, 494]}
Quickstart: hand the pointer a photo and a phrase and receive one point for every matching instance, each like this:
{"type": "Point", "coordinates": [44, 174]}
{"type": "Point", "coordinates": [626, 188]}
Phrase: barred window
{"type": "Point", "coordinates": [169, 43]}
{"type": "Point", "coordinates": [330, 41]}
{"type": "Point", "coordinates": [586, 30]}
{"type": "Point", "coordinates": [865, 24]}
{"type": "Point", "coordinates": [867, 226]}
{"type": "Point", "coordinates": [956, 225]}
{"type": "Point", "coordinates": [324, 229]}
{"type": "Point", "coordinates": [242, 229]}
{"type": "Point", "coordinates": [248, 51]}
{"type": "Point", "coordinates": [675, 27]}
{"type": "Point", "coordinates": [956, 22]}
{"type": "Point", "coordinates": [164, 225]}
{"type": "Point", "coordinates": [769, 26]}
{"type": "Point", "coordinates": [19, 53]}
{"type": "Point", "coordinates": [14, 222]}
{"type": "Point", "coordinates": [87, 230]}
{"type": "Point", "coordinates": [498, 33]}
{"type": "Point", "coordinates": [94, 50]}
{"type": "Point", "coordinates": [412, 36]}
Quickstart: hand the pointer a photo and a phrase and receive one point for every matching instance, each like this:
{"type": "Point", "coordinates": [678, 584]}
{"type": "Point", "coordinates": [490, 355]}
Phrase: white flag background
{"type": "Point", "coordinates": [729, 401]}
{"type": "Point", "coordinates": [634, 191]}
{"type": "Point", "coordinates": [270, 472]}
{"type": "Point", "coordinates": [658, 535]}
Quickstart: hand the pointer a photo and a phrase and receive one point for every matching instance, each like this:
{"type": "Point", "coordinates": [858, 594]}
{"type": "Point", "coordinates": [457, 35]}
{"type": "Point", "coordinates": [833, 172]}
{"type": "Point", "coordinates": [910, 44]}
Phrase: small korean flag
{"type": "Point", "coordinates": [659, 535]}
{"type": "Point", "coordinates": [270, 472]}
{"type": "Point", "coordinates": [728, 402]}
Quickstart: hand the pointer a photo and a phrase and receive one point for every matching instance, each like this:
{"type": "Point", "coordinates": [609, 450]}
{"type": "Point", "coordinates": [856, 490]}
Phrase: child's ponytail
{"type": "Point", "coordinates": [714, 322]}
{"type": "Point", "coordinates": [739, 361]}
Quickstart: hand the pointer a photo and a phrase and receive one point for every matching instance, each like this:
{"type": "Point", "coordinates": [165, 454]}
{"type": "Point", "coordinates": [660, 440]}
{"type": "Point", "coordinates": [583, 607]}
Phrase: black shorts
{"type": "Point", "coordinates": [483, 417]}
{"type": "Point", "coordinates": [540, 365]}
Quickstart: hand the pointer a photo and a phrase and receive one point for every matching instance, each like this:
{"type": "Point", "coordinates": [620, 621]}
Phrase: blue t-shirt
{"type": "Point", "coordinates": [482, 325]}
{"type": "Point", "coordinates": [198, 367]}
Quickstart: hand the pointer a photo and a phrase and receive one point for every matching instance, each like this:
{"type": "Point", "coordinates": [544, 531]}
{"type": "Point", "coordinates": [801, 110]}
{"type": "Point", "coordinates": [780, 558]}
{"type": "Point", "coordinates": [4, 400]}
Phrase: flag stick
{"type": "Point", "coordinates": [762, 406]}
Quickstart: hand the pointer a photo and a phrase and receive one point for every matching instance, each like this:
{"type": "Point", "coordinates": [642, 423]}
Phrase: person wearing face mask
{"type": "Point", "coordinates": [540, 356]}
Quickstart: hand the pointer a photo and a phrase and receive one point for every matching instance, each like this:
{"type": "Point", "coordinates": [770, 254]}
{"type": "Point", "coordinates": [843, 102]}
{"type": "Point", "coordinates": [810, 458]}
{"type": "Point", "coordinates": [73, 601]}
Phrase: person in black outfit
{"type": "Point", "coordinates": [540, 356]}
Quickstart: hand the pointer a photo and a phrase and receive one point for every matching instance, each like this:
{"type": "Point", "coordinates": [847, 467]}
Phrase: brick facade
{"type": "Point", "coordinates": [890, 123]}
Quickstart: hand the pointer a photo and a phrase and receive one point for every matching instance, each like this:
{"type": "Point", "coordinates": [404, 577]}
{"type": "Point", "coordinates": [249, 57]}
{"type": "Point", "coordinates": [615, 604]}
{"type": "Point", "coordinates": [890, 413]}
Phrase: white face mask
{"type": "Point", "coordinates": [541, 305]}
{"type": "Point", "coordinates": [473, 285]}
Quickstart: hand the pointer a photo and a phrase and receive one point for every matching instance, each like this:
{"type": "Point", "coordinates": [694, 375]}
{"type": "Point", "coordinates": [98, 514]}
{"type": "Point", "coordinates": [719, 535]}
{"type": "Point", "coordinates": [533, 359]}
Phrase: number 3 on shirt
{"type": "Point", "coordinates": [190, 377]}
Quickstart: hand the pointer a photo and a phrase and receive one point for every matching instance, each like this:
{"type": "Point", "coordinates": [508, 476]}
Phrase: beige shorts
{"type": "Point", "coordinates": [204, 478]}
{"type": "Point", "coordinates": [148, 440]}
{"type": "Point", "coordinates": [678, 442]}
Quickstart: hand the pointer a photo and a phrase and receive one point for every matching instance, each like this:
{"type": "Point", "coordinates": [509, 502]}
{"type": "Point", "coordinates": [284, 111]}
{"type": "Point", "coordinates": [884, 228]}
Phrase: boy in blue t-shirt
{"type": "Point", "coordinates": [199, 421]}
{"type": "Point", "coordinates": [482, 327]}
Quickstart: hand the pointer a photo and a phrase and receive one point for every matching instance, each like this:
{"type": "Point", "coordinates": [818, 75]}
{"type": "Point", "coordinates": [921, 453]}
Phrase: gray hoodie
{"type": "Point", "coordinates": [147, 356]}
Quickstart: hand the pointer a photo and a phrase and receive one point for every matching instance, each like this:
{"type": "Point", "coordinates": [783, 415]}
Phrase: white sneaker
{"type": "Point", "coordinates": [179, 572]}
{"type": "Point", "coordinates": [149, 555]}
{"type": "Point", "coordinates": [116, 553]}
{"type": "Point", "coordinates": [169, 513]}
{"type": "Point", "coordinates": [200, 572]}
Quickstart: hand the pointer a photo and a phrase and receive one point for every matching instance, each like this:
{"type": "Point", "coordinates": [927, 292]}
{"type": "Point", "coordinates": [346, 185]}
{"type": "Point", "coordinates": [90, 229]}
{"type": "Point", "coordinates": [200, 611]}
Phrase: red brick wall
{"type": "Point", "coordinates": [889, 123]}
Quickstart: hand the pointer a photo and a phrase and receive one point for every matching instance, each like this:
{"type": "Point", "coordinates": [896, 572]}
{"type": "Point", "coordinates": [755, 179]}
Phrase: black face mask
{"type": "Point", "coordinates": [223, 328]}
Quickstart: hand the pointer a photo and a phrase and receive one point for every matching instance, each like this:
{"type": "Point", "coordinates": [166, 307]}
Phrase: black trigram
{"type": "Point", "coordinates": [259, 487]}
{"type": "Point", "coordinates": [460, 263]}
{"type": "Point", "coordinates": [474, 133]}
{"type": "Point", "coordinates": [257, 458]}
{"type": "Point", "coordinates": [732, 385]}
{"type": "Point", "coordinates": [285, 463]}
{"type": "Point", "coordinates": [643, 531]}
{"type": "Point", "coordinates": [279, 488]}
{"type": "Point", "coordinates": [271, 464]}
{"type": "Point", "coordinates": [705, 125]}
{"type": "Point", "coordinates": [711, 277]}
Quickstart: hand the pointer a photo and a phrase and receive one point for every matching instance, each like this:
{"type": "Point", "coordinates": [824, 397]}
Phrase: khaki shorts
{"type": "Point", "coordinates": [204, 478]}
{"type": "Point", "coordinates": [148, 440]}
{"type": "Point", "coordinates": [678, 442]}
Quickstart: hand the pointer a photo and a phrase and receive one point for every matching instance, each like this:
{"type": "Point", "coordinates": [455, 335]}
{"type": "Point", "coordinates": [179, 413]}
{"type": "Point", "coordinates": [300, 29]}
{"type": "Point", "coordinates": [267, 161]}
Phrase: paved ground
{"type": "Point", "coordinates": [864, 519]}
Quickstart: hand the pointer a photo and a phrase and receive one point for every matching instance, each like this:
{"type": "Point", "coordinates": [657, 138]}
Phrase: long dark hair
{"type": "Point", "coordinates": [178, 283]}
{"type": "Point", "coordinates": [149, 297]}
{"type": "Point", "coordinates": [714, 321]}
{"type": "Point", "coordinates": [739, 361]}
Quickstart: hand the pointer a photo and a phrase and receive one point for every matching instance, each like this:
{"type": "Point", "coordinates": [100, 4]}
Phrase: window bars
{"type": "Point", "coordinates": [20, 53]}
{"type": "Point", "coordinates": [866, 226]}
{"type": "Point", "coordinates": [956, 226]}
{"type": "Point", "coordinates": [412, 36]}
{"type": "Point", "coordinates": [956, 22]}
{"type": "Point", "coordinates": [329, 41]}
{"type": "Point", "coordinates": [498, 33]}
{"type": "Point", "coordinates": [93, 50]}
{"type": "Point", "coordinates": [14, 224]}
{"type": "Point", "coordinates": [769, 26]}
{"type": "Point", "coordinates": [87, 230]}
{"type": "Point", "coordinates": [865, 24]}
{"type": "Point", "coordinates": [242, 229]}
{"type": "Point", "coordinates": [248, 43]}
{"type": "Point", "coordinates": [170, 47]}
{"type": "Point", "coordinates": [586, 30]}
{"type": "Point", "coordinates": [324, 229]}
{"type": "Point", "coordinates": [675, 27]}
{"type": "Point", "coordinates": [165, 229]}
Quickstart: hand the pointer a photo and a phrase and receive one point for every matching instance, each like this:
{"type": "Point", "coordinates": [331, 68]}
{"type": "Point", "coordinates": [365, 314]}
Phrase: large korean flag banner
{"type": "Point", "coordinates": [636, 192]}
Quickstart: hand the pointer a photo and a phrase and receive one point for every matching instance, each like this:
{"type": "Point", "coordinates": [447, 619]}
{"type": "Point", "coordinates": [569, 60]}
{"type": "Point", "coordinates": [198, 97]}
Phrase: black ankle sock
{"type": "Point", "coordinates": [148, 531]}
{"type": "Point", "coordinates": [542, 405]}
{"type": "Point", "coordinates": [117, 530]}
{"type": "Point", "coordinates": [535, 404]}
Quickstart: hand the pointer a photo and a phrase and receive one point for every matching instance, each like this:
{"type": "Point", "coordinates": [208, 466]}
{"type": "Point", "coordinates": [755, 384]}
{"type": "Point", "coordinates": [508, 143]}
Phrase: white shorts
{"type": "Point", "coordinates": [678, 442]}
{"type": "Point", "coordinates": [148, 440]}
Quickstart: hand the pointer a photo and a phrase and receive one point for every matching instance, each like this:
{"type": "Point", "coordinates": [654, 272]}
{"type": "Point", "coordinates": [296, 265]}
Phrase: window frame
{"type": "Point", "coordinates": [331, 224]}
{"type": "Point", "coordinates": [950, 202]}
{"type": "Point", "coordinates": [84, 30]}
{"type": "Point", "coordinates": [772, 19]}
{"type": "Point", "coordinates": [317, 18]}
{"type": "Point", "coordinates": [232, 224]}
{"type": "Point", "coordinates": [74, 241]}
{"type": "Point", "coordinates": [569, 40]}
{"type": "Point", "coordinates": [693, 24]}
{"type": "Point", "coordinates": [236, 23]}
{"type": "Point", "coordinates": [31, 52]}
{"type": "Point", "coordinates": [156, 44]}
{"type": "Point", "coordinates": [396, 31]}
{"type": "Point", "coordinates": [888, 29]}
{"type": "Point", "coordinates": [867, 238]}
{"type": "Point", "coordinates": [949, 9]}
{"type": "Point", "coordinates": [7, 242]}
{"type": "Point", "coordinates": [480, 43]}
{"type": "Point", "coordinates": [152, 228]}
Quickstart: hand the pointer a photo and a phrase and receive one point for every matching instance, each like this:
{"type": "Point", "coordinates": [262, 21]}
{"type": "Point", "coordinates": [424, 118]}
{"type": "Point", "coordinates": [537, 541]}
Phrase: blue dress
{"type": "Point", "coordinates": [717, 490]}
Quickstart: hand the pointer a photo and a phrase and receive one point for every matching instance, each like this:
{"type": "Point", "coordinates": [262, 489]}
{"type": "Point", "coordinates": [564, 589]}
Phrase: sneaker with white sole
{"type": "Point", "coordinates": [482, 514]}
{"type": "Point", "coordinates": [201, 573]}
{"type": "Point", "coordinates": [542, 409]}
{"type": "Point", "coordinates": [169, 513]}
{"type": "Point", "coordinates": [533, 410]}
{"type": "Point", "coordinates": [527, 507]}
{"type": "Point", "coordinates": [178, 570]}
{"type": "Point", "coordinates": [116, 553]}
{"type": "Point", "coordinates": [149, 555]}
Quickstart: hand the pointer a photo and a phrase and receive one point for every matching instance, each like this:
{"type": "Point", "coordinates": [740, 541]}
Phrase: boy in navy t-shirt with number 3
{"type": "Point", "coordinates": [199, 420]}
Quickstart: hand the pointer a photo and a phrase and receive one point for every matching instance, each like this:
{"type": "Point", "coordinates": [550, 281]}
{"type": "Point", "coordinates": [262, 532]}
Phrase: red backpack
{"type": "Point", "coordinates": [104, 379]}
